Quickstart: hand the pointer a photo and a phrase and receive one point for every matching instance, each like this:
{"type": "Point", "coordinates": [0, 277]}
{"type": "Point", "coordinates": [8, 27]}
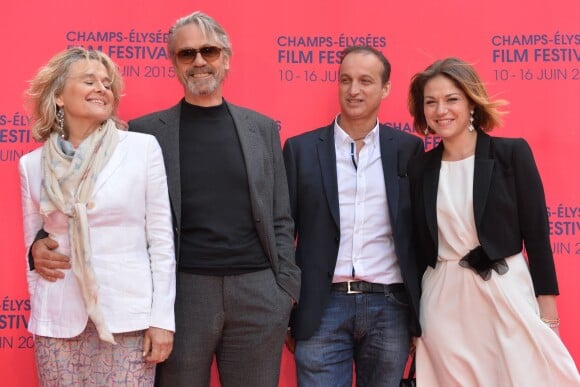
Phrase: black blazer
{"type": "Point", "coordinates": [311, 169]}
{"type": "Point", "coordinates": [508, 204]}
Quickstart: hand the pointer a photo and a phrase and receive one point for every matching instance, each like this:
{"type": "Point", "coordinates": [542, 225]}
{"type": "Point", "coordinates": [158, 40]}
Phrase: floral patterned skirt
{"type": "Point", "coordinates": [85, 360]}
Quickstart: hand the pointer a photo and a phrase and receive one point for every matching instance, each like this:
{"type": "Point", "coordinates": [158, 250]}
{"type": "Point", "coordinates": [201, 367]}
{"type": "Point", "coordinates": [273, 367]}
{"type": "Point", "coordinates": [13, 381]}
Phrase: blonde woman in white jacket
{"type": "Point", "coordinates": [101, 194]}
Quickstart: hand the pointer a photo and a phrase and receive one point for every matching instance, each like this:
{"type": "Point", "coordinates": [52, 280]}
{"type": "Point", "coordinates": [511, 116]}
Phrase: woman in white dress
{"type": "Point", "coordinates": [488, 315]}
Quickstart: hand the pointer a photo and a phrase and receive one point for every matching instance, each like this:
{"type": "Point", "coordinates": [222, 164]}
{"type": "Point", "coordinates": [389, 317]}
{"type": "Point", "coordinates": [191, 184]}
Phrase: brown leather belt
{"type": "Point", "coordinates": [358, 287]}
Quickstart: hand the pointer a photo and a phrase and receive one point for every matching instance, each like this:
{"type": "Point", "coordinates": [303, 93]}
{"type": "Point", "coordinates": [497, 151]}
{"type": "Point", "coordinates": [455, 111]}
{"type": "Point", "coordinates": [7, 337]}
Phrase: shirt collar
{"type": "Point", "coordinates": [341, 137]}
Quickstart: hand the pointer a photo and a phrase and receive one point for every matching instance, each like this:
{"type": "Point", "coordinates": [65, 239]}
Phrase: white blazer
{"type": "Point", "coordinates": [131, 237]}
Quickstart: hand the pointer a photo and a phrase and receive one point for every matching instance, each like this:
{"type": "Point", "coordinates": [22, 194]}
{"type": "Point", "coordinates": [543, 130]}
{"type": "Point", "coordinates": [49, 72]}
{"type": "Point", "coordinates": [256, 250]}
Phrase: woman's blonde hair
{"type": "Point", "coordinates": [49, 83]}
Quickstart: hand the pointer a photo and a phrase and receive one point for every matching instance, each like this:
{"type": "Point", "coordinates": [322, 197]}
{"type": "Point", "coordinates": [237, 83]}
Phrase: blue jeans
{"type": "Point", "coordinates": [370, 329]}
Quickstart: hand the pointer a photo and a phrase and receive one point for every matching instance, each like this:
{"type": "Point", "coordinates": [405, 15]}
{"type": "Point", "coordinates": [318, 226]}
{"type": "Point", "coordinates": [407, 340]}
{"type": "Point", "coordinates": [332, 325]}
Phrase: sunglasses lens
{"type": "Point", "coordinates": [210, 52]}
{"type": "Point", "coordinates": [187, 54]}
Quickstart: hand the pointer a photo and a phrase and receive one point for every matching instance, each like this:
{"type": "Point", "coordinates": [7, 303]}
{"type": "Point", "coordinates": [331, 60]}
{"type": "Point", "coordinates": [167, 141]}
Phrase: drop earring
{"type": "Point", "coordinates": [471, 128]}
{"type": "Point", "coordinates": [60, 121]}
{"type": "Point", "coordinates": [426, 131]}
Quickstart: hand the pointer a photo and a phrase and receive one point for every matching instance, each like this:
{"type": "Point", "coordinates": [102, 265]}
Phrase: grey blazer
{"type": "Point", "coordinates": [260, 143]}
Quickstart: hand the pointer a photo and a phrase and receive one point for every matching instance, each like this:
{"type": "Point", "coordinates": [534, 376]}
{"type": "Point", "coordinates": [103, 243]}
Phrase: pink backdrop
{"type": "Point", "coordinates": [284, 65]}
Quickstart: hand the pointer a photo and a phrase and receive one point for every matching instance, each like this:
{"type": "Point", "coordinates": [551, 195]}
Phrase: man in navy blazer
{"type": "Point", "coordinates": [349, 195]}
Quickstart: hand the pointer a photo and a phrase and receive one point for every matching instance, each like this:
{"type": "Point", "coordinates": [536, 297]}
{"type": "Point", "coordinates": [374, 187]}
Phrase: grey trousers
{"type": "Point", "coordinates": [241, 319]}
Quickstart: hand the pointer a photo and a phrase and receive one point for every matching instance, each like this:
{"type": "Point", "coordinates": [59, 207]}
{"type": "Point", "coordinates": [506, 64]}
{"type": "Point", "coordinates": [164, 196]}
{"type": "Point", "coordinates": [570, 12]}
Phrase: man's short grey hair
{"type": "Point", "coordinates": [208, 26]}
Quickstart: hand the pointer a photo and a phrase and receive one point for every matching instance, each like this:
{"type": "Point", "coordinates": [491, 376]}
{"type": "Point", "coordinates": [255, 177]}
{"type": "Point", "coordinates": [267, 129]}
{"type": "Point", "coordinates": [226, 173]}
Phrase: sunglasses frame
{"type": "Point", "coordinates": [189, 55]}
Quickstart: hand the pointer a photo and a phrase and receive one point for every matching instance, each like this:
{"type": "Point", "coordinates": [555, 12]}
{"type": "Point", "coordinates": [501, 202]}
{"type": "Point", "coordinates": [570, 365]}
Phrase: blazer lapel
{"type": "Point", "coordinates": [327, 160]}
{"type": "Point", "coordinates": [113, 164]}
{"type": "Point", "coordinates": [430, 187]}
{"type": "Point", "coordinates": [483, 170]}
{"type": "Point", "coordinates": [167, 133]}
{"type": "Point", "coordinates": [389, 160]}
{"type": "Point", "coordinates": [249, 143]}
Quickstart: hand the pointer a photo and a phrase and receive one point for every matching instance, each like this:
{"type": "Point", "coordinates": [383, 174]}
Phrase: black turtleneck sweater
{"type": "Point", "coordinates": [218, 236]}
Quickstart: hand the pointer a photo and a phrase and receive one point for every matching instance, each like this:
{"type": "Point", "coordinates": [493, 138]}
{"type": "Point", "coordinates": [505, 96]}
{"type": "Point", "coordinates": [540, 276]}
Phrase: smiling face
{"type": "Point", "coordinates": [87, 98]}
{"type": "Point", "coordinates": [361, 88]}
{"type": "Point", "coordinates": [202, 78]}
{"type": "Point", "coordinates": [447, 108]}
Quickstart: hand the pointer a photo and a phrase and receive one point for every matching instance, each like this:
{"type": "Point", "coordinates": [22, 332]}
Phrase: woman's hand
{"type": "Point", "coordinates": [157, 344]}
{"type": "Point", "coordinates": [549, 312]}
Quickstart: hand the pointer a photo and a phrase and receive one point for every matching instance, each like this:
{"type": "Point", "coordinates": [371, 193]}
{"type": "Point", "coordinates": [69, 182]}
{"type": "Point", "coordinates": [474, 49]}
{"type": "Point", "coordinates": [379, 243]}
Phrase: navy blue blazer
{"type": "Point", "coordinates": [508, 203]}
{"type": "Point", "coordinates": [310, 160]}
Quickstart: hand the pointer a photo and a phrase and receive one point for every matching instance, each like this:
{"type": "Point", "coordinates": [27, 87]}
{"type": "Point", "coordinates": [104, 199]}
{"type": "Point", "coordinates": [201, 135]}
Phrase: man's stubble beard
{"type": "Point", "coordinates": [202, 88]}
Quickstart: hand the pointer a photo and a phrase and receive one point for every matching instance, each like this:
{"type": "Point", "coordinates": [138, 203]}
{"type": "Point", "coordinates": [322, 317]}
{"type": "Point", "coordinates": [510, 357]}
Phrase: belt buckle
{"type": "Point", "coordinates": [349, 290]}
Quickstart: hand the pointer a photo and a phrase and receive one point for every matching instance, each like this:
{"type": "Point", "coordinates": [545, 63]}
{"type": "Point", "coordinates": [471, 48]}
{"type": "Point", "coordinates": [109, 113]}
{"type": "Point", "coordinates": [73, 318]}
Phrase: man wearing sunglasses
{"type": "Point", "coordinates": [237, 280]}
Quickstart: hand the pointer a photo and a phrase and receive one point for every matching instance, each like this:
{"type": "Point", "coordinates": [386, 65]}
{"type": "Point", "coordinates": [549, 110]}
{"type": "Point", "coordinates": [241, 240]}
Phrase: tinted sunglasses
{"type": "Point", "coordinates": [208, 53]}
